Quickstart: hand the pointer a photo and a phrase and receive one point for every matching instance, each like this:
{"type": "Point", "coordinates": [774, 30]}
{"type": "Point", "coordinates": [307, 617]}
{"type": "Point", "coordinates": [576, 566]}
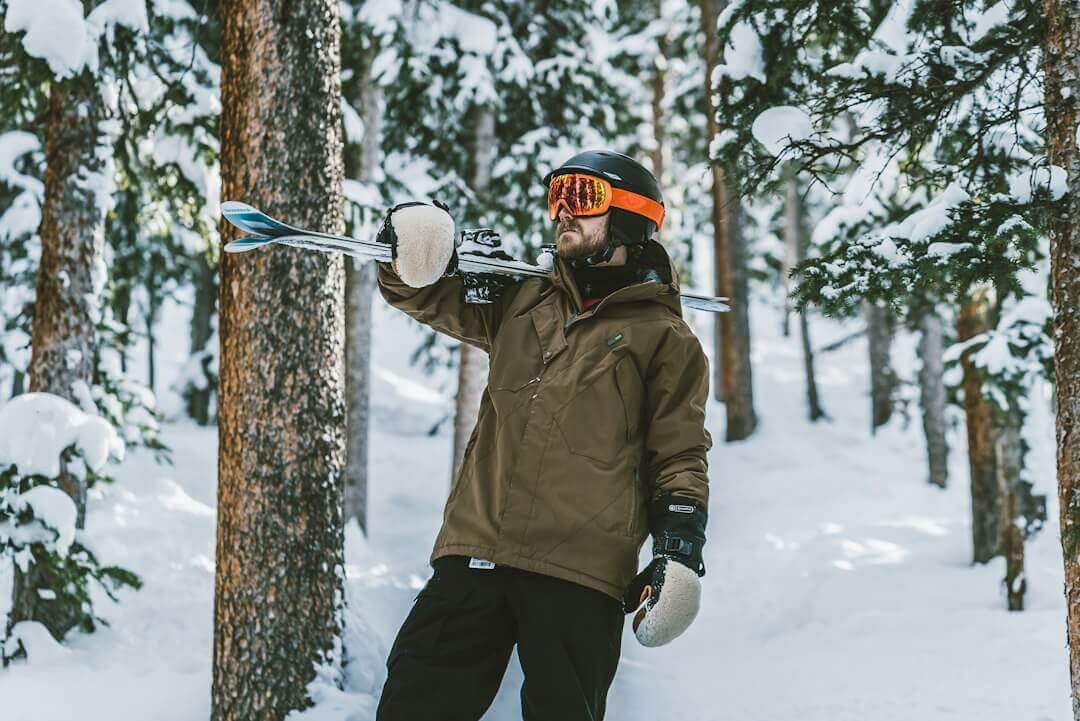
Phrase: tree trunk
{"type": "Point", "coordinates": [202, 316]}
{"type": "Point", "coordinates": [473, 362]}
{"type": "Point", "coordinates": [18, 383]}
{"type": "Point", "coordinates": [987, 495]}
{"type": "Point", "coordinates": [709, 50]}
{"type": "Point", "coordinates": [359, 289]}
{"type": "Point", "coordinates": [933, 397]}
{"type": "Point", "coordinates": [359, 286]}
{"type": "Point", "coordinates": [879, 333]}
{"type": "Point", "coordinates": [1010, 458]}
{"type": "Point", "coordinates": [732, 328]}
{"type": "Point", "coordinates": [813, 401]}
{"type": "Point", "coordinates": [150, 321]}
{"type": "Point", "coordinates": [1061, 88]}
{"type": "Point", "coordinates": [659, 81]}
{"type": "Point", "coordinates": [69, 286]}
{"type": "Point", "coordinates": [788, 261]}
{"type": "Point", "coordinates": [282, 411]}
{"type": "Point", "coordinates": [795, 238]}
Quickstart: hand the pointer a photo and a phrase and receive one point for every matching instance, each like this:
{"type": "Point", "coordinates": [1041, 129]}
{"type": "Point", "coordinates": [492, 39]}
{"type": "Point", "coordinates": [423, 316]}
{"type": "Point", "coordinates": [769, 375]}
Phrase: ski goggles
{"type": "Point", "coordinates": [586, 195]}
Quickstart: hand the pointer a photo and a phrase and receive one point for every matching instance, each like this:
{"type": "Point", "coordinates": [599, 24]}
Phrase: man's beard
{"type": "Point", "coordinates": [581, 246]}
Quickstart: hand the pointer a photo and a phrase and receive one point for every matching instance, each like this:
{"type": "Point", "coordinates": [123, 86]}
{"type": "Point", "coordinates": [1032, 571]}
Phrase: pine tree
{"type": "Point", "coordinates": [282, 412]}
{"type": "Point", "coordinates": [938, 101]}
{"type": "Point", "coordinates": [733, 329]}
{"type": "Point", "coordinates": [76, 107]}
{"type": "Point", "coordinates": [362, 105]}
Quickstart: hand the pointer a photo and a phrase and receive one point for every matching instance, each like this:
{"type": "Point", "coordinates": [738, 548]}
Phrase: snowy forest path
{"type": "Point", "coordinates": [838, 582]}
{"type": "Point", "coordinates": [837, 586]}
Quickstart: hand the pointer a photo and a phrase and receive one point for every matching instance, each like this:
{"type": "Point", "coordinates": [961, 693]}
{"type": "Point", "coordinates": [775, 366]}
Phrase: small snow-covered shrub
{"type": "Point", "coordinates": [47, 444]}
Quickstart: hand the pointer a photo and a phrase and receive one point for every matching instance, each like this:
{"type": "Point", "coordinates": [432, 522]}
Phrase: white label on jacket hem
{"type": "Point", "coordinates": [480, 563]}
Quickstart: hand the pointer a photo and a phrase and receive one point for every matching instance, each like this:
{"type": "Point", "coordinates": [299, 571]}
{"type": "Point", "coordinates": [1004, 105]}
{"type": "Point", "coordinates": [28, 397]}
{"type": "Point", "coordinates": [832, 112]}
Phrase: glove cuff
{"type": "Point", "coordinates": [677, 525]}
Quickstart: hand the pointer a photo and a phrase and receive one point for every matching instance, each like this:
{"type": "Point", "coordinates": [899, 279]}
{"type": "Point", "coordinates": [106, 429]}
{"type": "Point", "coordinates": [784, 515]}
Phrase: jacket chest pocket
{"type": "Point", "coordinates": [604, 417]}
{"type": "Point", "coordinates": [515, 359]}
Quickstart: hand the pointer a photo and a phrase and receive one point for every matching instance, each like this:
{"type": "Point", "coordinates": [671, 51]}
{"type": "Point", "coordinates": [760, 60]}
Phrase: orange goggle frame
{"type": "Point", "coordinates": [589, 195]}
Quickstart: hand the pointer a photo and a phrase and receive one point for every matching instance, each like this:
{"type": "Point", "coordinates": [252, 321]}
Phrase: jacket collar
{"type": "Point", "coordinates": [655, 257]}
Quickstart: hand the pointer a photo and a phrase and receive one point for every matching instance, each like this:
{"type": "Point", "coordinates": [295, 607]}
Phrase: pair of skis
{"type": "Point", "coordinates": [265, 230]}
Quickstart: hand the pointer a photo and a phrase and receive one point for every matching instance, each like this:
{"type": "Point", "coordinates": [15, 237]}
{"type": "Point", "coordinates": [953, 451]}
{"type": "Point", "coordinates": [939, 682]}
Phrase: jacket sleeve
{"type": "Point", "coordinates": [676, 440]}
{"type": "Point", "coordinates": [442, 306]}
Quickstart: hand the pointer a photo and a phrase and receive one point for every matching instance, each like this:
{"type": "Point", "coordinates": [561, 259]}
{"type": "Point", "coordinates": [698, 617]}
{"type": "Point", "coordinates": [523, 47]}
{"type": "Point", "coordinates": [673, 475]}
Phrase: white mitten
{"type": "Point", "coordinates": [667, 594]}
{"type": "Point", "coordinates": [421, 236]}
{"type": "Point", "coordinates": [672, 602]}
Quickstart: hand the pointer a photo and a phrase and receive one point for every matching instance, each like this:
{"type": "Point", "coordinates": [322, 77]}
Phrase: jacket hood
{"type": "Point", "coordinates": [660, 281]}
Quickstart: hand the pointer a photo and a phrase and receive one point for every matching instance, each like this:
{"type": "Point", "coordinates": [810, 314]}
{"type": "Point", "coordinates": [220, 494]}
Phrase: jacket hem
{"type": "Point", "coordinates": [526, 563]}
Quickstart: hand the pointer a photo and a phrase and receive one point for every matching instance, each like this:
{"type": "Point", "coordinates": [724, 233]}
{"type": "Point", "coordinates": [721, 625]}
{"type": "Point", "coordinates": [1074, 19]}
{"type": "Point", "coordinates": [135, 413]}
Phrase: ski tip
{"type": "Point", "coordinates": [242, 245]}
{"type": "Point", "coordinates": [228, 207]}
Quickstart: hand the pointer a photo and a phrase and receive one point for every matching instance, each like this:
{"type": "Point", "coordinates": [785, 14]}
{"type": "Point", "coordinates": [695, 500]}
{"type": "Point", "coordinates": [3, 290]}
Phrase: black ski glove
{"type": "Point", "coordinates": [669, 586]}
{"type": "Point", "coordinates": [389, 235]}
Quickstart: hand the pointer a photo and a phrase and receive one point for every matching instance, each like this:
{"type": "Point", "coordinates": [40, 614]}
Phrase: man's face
{"type": "Point", "coordinates": [580, 236]}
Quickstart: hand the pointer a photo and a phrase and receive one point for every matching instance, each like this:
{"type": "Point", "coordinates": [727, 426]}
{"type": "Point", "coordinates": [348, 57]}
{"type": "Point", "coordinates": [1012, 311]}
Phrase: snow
{"type": "Point", "coordinates": [354, 124]}
{"type": "Point", "coordinates": [742, 55]}
{"type": "Point", "coordinates": [37, 642]}
{"type": "Point", "coordinates": [36, 427]}
{"type": "Point", "coordinates": [777, 126]}
{"type": "Point", "coordinates": [363, 194]}
{"type": "Point", "coordinates": [175, 148]}
{"type": "Point", "coordinates": [923, 224]}
{"type": "Point", "coordinates": [21, 218]}
{"type": "Point", "coordinates": [986, 20]}
{"type": "Point", "coordinates": [475, 34]}
{"type": "Point", "coordinates": [13, 145]}
{"type": "Point", "coordinates": [57, 32]}
{"type": "Point", "coordinates": [839, 584]}
{"type": "Point", "coordinates": [130, 13]}
{"type": "Point", "coordinates": [892, 59]}
{"type": "Point", "coordinates": [1053, 178]}
{"type": "Point", "coordinates": [54, 519]}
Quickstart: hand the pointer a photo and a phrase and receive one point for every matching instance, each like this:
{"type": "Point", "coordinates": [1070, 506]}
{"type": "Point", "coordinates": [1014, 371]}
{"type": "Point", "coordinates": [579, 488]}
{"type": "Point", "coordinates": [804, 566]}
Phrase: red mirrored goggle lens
{"type": "Point", "coordinates": [589, 195]}
{"type": "Point", "coordinates": [581, 194]}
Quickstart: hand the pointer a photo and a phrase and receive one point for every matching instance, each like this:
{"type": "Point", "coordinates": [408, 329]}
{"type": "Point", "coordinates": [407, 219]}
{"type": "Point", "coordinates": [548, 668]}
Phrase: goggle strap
{"type": "Point", "coordinates": [638, 204]}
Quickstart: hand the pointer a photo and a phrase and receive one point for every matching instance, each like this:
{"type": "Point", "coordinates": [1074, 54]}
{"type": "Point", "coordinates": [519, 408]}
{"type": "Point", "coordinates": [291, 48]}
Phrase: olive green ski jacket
{"type": "Point", "coordinates": [587, 416]}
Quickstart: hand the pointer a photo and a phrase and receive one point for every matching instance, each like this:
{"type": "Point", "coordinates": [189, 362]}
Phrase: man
{"type": "Point", "coordinates": [590, 435]}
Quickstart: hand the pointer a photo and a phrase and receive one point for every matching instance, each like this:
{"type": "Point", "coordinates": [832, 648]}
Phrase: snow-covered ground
{"type": "Point", "coordinates": [838, 584]}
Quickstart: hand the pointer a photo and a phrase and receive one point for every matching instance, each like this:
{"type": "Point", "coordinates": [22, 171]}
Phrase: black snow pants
{"type": "Point", "coordinates": [451, 653]}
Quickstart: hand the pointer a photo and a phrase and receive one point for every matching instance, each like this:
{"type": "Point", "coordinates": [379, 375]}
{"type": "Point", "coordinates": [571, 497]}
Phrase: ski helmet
{"type": "Point", "coordinates": [627, 227]}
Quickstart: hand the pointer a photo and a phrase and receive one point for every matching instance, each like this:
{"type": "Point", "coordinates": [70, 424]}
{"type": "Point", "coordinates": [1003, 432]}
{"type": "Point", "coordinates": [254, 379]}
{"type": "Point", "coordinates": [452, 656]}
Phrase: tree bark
{"type": "Point", "coordinates": [1010, 458]}
{"type": "Point", "coordinates": [202, 316]}
{"type": "Point", "coordinates": [150, 321]}
{"type": "Point", "coordinates": [879, 333]}
{"type": "Point", "coordinates": [473, 362]}
{"type": "Point", "coordinates": [359, 286]}
{"type": "Point", "coordinates": [1062, 87]}
{"type": "Point", "coordinates": [282, 412]}
{"type": "Point", "coordinates": [795, 237]}
{"type": "Point", "coordinates": [788, 260]}
{"type": "Point", "coordinates": [70, 280]}
{"type": "Point", "coordinates": [659, 87]}
{"type": "Point", "coordinates": [932, 396]}
{"type": "Point", "coordinates": [732, 328]}
{"type": "Point", "coordinates": [359, 289]}
{"type": "Point", "coordinates": [987, 495]}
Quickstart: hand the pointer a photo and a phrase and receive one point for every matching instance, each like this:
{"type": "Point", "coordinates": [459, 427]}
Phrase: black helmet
{"type": "Point", "coordinates": [626, 227]}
